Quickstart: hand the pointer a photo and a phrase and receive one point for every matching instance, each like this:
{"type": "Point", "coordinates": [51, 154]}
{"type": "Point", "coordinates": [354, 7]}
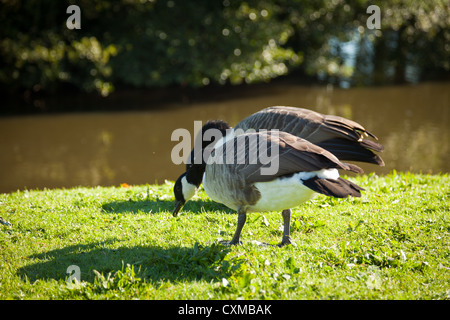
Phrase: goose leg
{"type": "Point", "coordinates": [242, 216]}
{"type": "Point", "coordinates": [287, 227]}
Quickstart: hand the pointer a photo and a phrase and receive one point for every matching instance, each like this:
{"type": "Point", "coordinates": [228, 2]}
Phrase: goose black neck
{"type": "Point", "coordinates": [195, 171]}
{"type": "Point", "coordinates": [195, 174]}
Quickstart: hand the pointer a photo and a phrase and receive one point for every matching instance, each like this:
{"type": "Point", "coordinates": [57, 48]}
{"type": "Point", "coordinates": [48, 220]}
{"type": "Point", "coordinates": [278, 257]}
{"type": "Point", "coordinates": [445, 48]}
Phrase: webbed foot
{"type": "Point", "coordinates": [230, 243]}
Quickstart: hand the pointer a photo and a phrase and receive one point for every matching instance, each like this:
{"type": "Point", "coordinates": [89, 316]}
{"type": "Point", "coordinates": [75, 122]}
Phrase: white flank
{"type": "Point", "coordinates": [322, 174]}
{"type": "Point", "coordinates": [289, 192]}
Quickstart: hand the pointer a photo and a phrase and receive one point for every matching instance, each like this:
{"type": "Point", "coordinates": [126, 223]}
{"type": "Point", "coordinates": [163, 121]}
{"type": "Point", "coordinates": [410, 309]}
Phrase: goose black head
{"type": "Point", "coordinates": [179, 197]}
{"type": "Point", "coordinates": [186, 186]}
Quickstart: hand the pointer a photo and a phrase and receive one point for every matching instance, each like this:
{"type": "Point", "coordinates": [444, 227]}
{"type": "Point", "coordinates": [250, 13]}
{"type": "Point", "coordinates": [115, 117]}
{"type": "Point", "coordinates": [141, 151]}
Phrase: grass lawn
{"type": "Point", "coordinates": [392, 243]}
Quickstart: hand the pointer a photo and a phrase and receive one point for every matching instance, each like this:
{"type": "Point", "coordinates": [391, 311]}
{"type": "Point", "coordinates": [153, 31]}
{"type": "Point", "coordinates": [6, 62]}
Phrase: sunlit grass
{"type": "Point", "coordinates": [392, 243]}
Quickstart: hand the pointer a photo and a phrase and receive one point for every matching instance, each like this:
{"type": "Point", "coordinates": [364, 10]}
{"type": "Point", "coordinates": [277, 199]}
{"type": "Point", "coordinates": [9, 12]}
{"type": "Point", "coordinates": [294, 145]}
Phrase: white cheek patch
{"type": "Point", "coordinates": [189, 190]}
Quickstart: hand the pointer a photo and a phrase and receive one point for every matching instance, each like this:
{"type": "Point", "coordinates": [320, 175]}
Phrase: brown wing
{"type": "Point", "coordinates": [292, 154]}
{"type": "Point", "coordinates": [307, 124]}
{"type": "Point", "coordinates": [342, 137]}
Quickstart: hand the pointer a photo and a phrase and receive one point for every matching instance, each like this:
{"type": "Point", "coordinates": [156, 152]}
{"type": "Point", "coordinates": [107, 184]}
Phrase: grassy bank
{"type": "Point", "coordinates": [392, 243]}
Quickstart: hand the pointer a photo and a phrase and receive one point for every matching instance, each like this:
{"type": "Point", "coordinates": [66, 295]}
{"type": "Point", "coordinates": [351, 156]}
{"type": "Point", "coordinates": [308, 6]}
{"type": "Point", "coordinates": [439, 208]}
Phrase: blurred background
{"type": "Point", "coordinates": [97, 105]}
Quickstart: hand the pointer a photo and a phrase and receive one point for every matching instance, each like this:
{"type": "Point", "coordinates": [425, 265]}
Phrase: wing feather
{"type": "Point", "coordinates": [292, 154]}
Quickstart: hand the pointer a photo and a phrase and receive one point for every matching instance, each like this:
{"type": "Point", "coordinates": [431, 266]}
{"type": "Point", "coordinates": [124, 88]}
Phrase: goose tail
{"type": "Point", "coordinates": [339, 188]}
{"type": "Point", "coordinates": [348, 150]}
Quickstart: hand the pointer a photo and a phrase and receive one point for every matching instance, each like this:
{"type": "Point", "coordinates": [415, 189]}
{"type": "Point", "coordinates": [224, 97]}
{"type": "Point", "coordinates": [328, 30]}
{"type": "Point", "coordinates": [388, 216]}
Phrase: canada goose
{"type": "Point", "coordinates": [342, 137]}
{"type": "Point", "coordinates": [303, 169]}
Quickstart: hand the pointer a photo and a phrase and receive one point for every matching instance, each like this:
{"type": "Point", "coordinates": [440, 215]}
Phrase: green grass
{"type": "Point", "coordinates": [392, 243]}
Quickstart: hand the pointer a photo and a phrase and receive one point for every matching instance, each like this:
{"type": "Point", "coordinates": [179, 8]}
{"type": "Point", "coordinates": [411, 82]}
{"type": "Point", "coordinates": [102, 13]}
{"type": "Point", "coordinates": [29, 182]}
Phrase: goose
{"type": "Point", "coordinates": [344, 138]}
{"type": "Point", "coordinates": [303, 169]}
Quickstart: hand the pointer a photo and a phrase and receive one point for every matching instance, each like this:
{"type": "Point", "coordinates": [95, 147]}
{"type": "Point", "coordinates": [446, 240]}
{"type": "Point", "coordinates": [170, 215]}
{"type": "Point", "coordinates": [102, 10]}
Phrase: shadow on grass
{"type": "Point", "coordinates": [157, 206]}
{"type": "Point", "coordinates": [155, 263]}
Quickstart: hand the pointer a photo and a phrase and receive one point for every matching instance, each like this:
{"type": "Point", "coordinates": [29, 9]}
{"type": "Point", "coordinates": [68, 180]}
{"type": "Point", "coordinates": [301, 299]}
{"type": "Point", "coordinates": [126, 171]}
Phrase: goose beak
{"type": "Point", "coordinates": [178, 206]}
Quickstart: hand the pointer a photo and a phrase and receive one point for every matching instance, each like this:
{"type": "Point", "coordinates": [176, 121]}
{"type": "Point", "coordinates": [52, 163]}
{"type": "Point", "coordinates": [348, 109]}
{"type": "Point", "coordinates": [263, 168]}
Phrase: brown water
{"type": "Point", "coordinates": [90, 149]}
